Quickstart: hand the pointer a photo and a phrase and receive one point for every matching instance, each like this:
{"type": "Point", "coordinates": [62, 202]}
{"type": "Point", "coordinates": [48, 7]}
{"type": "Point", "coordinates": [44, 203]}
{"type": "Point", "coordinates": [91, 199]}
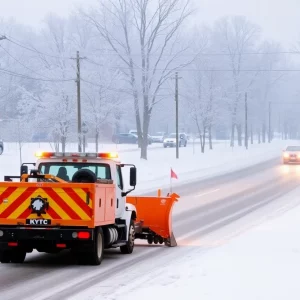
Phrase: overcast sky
{"type": "Point", "coordinates": [280, 19]}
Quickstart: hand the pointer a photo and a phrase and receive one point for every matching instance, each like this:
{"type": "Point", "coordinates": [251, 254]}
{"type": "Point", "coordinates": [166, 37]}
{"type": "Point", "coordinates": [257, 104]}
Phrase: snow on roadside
{"type": "Point", "coordinates": [262, 263]}
{"type": "Point", "coordinates": [154, 173]}
{"type": "Point", "coordinates": [194, 166]}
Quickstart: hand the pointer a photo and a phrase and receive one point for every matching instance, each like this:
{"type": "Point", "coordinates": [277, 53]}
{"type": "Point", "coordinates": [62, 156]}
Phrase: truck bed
{"type": "Point", "coordinates": [66, 204]}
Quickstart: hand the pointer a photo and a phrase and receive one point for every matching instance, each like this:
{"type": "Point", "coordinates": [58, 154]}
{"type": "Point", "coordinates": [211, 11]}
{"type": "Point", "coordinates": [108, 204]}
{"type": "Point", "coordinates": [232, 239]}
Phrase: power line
{"type": "Point", "coordinates": [23, 64]}
{"type": "Point", "coordinates": [196, 70]}
{"type": "Point", "coordinates": [203, 53]}
{"type": "Point", "coordinates": [32, 49]}
{"type": "Point", "coordinates": [106, 87]}
{"type": "Point", "coordinates": [169, 69]}
{"type": "Point", "coordinates": [14, 74]}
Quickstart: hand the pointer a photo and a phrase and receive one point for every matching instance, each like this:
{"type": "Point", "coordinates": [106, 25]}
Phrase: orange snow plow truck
{"type": "Point", "coordinates": [77, 201]}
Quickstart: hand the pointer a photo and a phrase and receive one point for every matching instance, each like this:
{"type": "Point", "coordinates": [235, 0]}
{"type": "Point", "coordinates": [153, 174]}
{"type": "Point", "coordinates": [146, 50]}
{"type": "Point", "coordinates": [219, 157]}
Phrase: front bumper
{"type": "Point", "coordinates": [43, 238]}
{"type": "Point", "coordinates": [291, 160]}
{"type": "Point", "coordinates": [169, 144]}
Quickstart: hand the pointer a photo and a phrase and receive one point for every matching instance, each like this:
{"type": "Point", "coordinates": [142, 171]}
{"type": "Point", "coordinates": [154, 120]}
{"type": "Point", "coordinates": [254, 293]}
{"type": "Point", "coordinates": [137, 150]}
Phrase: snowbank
{"type": "Point", "coordinates": [154, 173]}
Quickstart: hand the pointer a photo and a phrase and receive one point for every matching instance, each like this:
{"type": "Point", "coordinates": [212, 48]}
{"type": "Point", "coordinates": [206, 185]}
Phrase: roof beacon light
{"type": "Point", "coordinates": [42, 154]}
{"type": "Point", "coordinates": [108, 155]}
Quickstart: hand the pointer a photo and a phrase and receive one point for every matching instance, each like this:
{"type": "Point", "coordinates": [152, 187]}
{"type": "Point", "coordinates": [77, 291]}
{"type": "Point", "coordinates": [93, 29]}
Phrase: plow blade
{"type": "Point", "coordinates": [154, 218]}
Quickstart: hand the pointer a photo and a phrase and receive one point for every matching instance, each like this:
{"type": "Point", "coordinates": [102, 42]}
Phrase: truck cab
{"type": "Point", "coordinates": [96, 167]}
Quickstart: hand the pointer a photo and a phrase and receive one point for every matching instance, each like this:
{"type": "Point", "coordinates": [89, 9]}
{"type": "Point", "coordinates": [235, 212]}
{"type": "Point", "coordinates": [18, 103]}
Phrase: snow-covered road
{"type": "Point", "coordinates": [215, 199]}
{"type": "Point", "coordinates": [201, 215]}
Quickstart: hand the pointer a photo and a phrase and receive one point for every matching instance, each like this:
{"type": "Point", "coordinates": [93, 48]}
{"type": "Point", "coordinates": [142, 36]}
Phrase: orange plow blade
{"type": "Point", "coordinates": [154, 218]}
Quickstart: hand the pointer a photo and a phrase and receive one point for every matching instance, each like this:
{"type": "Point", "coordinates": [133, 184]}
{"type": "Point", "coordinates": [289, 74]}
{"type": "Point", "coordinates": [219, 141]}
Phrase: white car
{"type": "Point", "coordinates": [291, 155]}
{"type": "Point", "coordinates": [170, 141]}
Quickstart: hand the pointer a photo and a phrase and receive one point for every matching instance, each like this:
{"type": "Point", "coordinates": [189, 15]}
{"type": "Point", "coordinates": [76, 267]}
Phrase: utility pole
{"type": "Point", "coordinates": [177, 125]}
{"type": "Point", "coordinates": [177, 115]}
{"type": "Point", "coordinates": [78, 58]}
{"type": "Point", "coordinates": [269, 137]}
{"type": "Point", "coordinates": [246, 122]}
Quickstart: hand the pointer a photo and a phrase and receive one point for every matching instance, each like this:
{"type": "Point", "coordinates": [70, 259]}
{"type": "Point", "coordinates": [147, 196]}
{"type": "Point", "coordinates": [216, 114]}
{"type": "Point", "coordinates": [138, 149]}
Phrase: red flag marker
{"type": "Point", "coordinates": [173, 174]}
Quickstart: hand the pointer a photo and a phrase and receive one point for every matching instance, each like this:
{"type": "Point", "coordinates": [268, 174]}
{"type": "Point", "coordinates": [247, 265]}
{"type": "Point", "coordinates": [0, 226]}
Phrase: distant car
{"type": "Point", "coordinates": [150, 139]}
{"type": "Point", "coordinates": [158, 137]}
{"type": "Point", "coordinates": [124, 138]}
{"type": "Point", "coordinates": [170, 141]}
{"type": "Point", "coordinates": [291, 155]}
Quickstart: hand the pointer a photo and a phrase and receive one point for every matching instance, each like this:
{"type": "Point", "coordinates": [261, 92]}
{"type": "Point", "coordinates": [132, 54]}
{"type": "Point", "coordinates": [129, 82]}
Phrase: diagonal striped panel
{"type": "Point", "coordinates": [81, 202]}
{"type": "Point", "coordinates": [81, 192]}
{"type": "Point", "coordinates": [64, 203]}
{"type": "Point", "coordinates": [6, 193]}
{"type": "Point", "coordinates": [69, 198]}
{"type": "Point", "coordinates": [13, 205]}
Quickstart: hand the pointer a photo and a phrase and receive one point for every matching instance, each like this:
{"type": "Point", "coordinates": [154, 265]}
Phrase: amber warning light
{"type": "Point", "coordinates": [108, 155]}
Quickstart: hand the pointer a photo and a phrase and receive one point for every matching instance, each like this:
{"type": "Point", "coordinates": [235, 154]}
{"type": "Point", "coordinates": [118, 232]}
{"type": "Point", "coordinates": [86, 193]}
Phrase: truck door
{"type": "Point", "coordinates": [120, 205]}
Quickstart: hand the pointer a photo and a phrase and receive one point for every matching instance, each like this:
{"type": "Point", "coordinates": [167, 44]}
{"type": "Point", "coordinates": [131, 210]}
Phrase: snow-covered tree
{"type": "Point", "coordinates": [145, 36]}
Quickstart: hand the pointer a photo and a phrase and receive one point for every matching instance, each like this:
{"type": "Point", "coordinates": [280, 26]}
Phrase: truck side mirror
{"type": "Point", "coordinates": [24, 170]}
{"type": "Point", "coordinates": [132, 179]}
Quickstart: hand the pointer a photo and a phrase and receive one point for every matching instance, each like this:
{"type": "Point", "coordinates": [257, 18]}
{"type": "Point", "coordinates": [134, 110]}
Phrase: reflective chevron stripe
{"type": "Point", "coordinates": [64, 203]}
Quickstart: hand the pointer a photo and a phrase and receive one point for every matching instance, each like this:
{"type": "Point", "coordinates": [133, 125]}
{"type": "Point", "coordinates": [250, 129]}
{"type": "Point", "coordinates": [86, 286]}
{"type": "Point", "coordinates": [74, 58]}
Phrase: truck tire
{"type": "Point", "coordinates": [128, 248]}
{"type": "Point", "coordinates": [5, 257]}
{"type": "Point", "coordinates": [96, 256]}
{"type": "Point", "coordinates": [18, 256]}
{"type": "Point", "coordinates": [84, 175]}
{"type": "Point", "coordinates": [1, 150]}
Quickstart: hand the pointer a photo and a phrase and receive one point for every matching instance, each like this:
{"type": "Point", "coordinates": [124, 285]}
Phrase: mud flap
{"type": "Point", "coordinates": [154, 217]}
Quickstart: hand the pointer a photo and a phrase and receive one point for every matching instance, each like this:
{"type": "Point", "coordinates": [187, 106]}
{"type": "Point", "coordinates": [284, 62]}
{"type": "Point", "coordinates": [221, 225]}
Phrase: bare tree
{"type": "Point", "coordinates": [268, 80]}
{"type": "Point", "coordinates": [60, 109]}
{"type": "Point", "coordinates": [153, 28]}
{"type": "Point", "coordinates": [201, 99]}
{"type": "Point", "coordinates": [103, 104]}
{"type": "Point", "coordinates": [234, 37]}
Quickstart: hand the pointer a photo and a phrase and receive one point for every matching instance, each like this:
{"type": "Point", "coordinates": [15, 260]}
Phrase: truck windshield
{"type": "Point", "coordinates": [66, 170]}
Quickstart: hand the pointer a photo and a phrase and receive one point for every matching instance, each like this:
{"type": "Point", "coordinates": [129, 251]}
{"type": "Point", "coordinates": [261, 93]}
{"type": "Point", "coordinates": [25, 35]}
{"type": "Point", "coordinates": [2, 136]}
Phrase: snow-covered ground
{"type": "Point", "coordinates": [237, 262]}
{"type": "Point", "coordinates": [258, 264]}
{"type": "Point", "coordinates": [154, 173]}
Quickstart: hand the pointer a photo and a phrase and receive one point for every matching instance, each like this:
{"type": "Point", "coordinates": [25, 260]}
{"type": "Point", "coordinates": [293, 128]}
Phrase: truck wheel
{"type": "Point", "coordinates": [18, 256]}
{"type": "Point", "coordinates": [128, 248]}
{"type": "Point", "coordinates": [150, 239]}
{"type": "Point", "coordinates": [98, 248]}
{"type": "Point", "coordinates": [5, 257]}
{"type": "Point", "coordinates": [1, 150]}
